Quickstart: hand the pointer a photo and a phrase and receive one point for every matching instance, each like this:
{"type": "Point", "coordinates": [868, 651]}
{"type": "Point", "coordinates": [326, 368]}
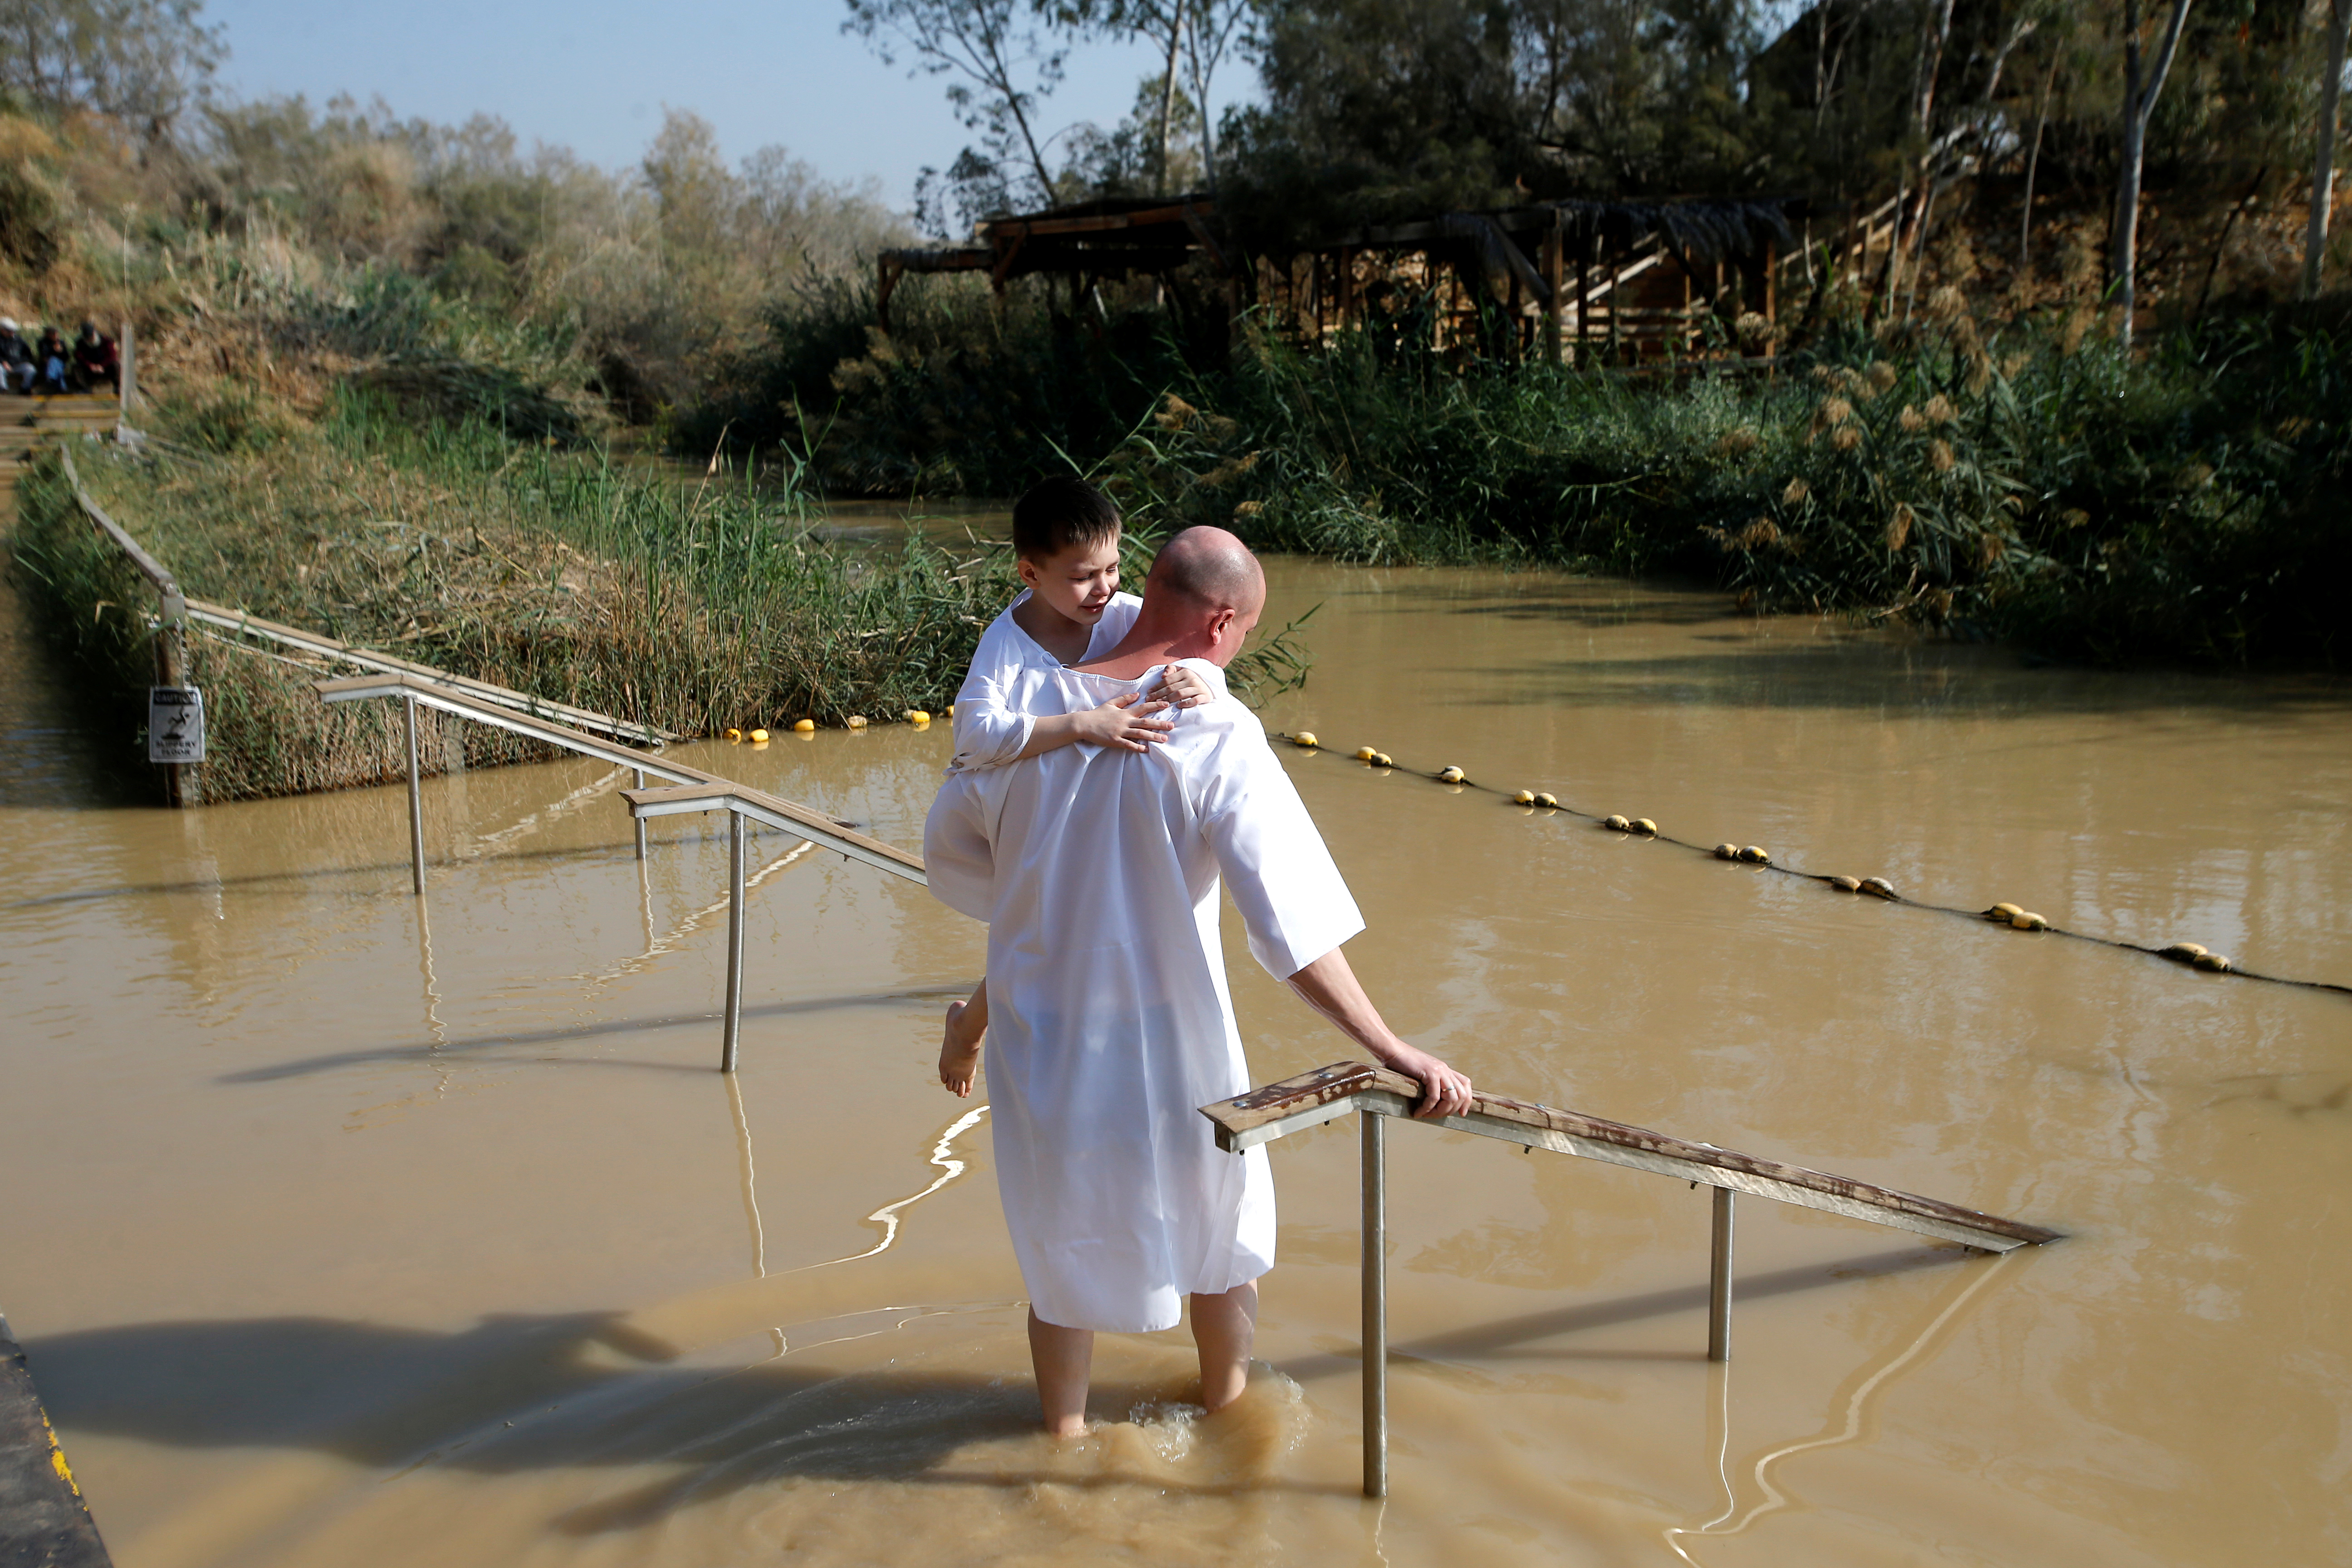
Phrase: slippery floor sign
{"type": "Point", "coordinates": [175, 724]}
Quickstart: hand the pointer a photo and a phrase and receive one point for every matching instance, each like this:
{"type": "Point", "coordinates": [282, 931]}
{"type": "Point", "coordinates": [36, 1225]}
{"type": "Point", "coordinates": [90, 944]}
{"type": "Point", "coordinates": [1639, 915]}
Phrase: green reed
{"type": "Point", "coordinates": [692, 603]}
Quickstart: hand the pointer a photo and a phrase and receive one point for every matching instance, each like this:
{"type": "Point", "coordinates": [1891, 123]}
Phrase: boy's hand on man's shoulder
{"type": "Point", "coordinates": [1127, 723]}
{"type": "Point", "coordinates": [1182, 687]}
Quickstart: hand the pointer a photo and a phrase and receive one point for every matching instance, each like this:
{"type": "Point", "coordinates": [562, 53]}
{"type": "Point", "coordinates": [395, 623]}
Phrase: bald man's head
{"type": "Point", "coordinates": [1212, 568]}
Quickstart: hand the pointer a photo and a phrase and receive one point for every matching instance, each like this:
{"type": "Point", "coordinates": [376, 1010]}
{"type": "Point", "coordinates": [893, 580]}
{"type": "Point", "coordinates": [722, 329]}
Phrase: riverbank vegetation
{"type": "Point", "coordinates": [348, 320]}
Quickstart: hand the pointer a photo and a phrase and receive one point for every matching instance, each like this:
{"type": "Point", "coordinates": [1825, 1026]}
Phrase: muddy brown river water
{"type": "Point", "coordinates": [345, 1233]}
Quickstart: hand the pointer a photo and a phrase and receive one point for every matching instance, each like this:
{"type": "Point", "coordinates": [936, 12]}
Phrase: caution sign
{"type": "Point", "coordinates": [175, 724]}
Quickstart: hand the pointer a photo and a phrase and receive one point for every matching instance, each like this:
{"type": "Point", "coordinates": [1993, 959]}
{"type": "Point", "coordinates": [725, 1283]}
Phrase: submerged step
{"type": "Point", "coordinates": [43, 1518]}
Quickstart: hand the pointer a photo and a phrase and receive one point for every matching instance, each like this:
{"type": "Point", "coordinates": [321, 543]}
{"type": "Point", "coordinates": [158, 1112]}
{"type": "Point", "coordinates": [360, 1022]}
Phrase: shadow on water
{"type": "Point", "coordinates": [54, 736]}
{"type": "Point", "coordinates": [423, 1051]}
{"type": "Point", "coordinates": [526, 1393]}
{"type": "Point", "coordinates": [543, 1393]}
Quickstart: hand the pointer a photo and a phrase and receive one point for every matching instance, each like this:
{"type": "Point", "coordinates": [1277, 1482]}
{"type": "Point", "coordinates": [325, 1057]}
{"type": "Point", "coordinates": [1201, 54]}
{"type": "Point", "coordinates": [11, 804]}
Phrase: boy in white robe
{"type": "Point", "coordinates": [1099, 871]}
{"type": "Point", "coordinates": [1065, 537]}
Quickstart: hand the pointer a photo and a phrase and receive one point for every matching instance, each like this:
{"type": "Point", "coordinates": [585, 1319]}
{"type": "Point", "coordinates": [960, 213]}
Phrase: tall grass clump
{"type": "Point", "coordinates": [690, 605]}
{"type": "Point", "coordinates": [2031, 483]}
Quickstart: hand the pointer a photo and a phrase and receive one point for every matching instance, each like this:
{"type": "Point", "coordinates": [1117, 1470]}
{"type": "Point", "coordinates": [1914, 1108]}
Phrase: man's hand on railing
{"type": "Point", "coordinates": [1444, 1091]}
{"type": "Point", "coordinates": [1330, 987]}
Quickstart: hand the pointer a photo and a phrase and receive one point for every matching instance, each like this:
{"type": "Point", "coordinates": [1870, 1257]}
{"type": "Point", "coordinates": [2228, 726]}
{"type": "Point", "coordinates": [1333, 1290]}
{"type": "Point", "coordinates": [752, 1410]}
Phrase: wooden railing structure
{"type": "Point", "coordinates": [1376, 1094]}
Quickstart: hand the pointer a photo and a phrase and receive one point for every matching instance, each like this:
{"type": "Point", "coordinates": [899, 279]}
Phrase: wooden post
{"type": "Point", "coordinates": [1552, 272]}
{"type": "Point", "coordinates": [130, 368]}
{"type": "Point", "coordinates": [1347, 286]}
{"type": "Point", "coordinates": [1583, 307]}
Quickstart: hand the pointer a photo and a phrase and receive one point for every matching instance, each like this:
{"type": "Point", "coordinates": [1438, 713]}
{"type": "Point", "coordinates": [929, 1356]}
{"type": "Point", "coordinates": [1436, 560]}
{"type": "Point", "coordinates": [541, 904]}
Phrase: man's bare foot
{"type": "Point", "coordinates": [959, 1052]}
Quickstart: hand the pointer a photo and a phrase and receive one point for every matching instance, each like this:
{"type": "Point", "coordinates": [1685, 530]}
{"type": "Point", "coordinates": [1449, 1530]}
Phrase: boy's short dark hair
{"type": "Point", "coordinates": [1058, 514]}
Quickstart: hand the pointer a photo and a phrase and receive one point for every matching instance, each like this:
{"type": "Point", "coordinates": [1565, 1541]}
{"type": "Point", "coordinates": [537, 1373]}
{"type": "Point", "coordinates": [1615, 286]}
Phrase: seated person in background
{"type": "Point", "coordinates": [17, 371]}
{"type": "Point", "coordinates": [54, 362]}
{"type": "Point", "coordinates": [96, 362]}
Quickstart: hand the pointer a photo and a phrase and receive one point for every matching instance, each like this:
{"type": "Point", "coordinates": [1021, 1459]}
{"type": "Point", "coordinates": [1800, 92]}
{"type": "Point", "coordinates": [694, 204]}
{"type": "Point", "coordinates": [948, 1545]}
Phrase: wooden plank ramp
{"type": "Point", "coordinates": [44, 1522]}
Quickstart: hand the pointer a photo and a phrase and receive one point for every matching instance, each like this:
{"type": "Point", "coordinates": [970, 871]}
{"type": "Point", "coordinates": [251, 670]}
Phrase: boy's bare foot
{"type": "Point", "coordinates": [959, 1055]}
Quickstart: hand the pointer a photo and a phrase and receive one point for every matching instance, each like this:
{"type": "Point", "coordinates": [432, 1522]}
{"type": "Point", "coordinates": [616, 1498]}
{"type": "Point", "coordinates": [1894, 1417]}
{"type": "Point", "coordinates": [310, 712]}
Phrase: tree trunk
{"type": "Point", "coordinates": [1931, 64]}
{"type": "Point", "coordinates": [2139, 102]}
{"type": "Point", "coordinates": [1168, 89]}
{"type": "Point", "coordinates": [2032, 166]}
{"type": "Point", "coordinates": [2323, 162]}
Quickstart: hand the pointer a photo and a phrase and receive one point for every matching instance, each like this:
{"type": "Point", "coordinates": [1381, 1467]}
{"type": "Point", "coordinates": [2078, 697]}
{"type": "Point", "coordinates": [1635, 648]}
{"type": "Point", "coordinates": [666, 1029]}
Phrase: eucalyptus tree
{"type": "Point", "coordinates": [2323, 162]}
{"type": "Point", "coordinates": [1004, 57]}
{"type": "Point", "coordinates": [143, 62]}
{"type": "Point", "coordinates": [1194, 38]}
{"type": "Point", "coordinates": [2143, 81]}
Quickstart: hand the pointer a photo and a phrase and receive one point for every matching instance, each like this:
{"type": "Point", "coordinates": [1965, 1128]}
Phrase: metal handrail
{"type": "Point", "coordinates": [324, 646]}
{"type": "Point", "coordinates": [416, 691]}
{"type": "Point", "coordinates": [740, 804]}
{"type": "Point", "coordinates": [1378, 1094]}
{"type": "Point", "coordinates": [692, 789]}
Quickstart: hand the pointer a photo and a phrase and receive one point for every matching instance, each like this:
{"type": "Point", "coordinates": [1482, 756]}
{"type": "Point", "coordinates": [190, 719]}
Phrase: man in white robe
{"type": "Point", "coordinates": [1098, 872]}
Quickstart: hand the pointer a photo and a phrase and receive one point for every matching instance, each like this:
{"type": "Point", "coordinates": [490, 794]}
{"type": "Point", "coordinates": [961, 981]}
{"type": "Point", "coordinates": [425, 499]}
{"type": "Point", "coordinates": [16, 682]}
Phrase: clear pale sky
{"type": "Point", "coordinates": [593, 75]}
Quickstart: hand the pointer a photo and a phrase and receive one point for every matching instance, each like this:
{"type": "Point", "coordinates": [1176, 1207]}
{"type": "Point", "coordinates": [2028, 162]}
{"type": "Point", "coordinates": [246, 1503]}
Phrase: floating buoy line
{"type": "Point", "coordinates": [2016, 917]}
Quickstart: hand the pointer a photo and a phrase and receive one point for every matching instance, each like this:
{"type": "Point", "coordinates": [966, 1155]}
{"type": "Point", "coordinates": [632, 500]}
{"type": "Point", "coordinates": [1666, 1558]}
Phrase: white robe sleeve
{"type": "Point", "coordinates": [1291, 896]}
{"type": "Point", "coordinates": [958, 858]}
{"type": "Point", "coordinates": [990, 728]}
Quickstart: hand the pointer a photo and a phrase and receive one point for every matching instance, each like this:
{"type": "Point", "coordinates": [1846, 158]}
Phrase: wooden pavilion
{"type": "Point", "coordinates": [1578, 281]}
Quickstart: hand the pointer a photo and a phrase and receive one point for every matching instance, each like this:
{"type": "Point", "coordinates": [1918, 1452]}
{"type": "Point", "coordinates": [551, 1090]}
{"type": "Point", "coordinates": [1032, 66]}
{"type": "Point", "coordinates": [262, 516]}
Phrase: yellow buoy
{"type": "Point", "coordinates": [1643, 825]}
{"type": "Point", "coordinates": [803, 726]}
{"type": "Point", "coordinates": [1382, 760]}
{"type": "Point", "coordinates": [2004, 911]}
{"type": "Point", "coordinates": [1845, 884]}
{"type": "Point", "coordinates": [1754, 855]}
{"type": "Point", "coordinates": [1365, 754]}
{"type": "Point", "coordinates": [2026, 920]}
{"type": "Point", "coordinates": [1524, 797]}
{"type": "Point", "coordinates": [759, 734]}
{"type": "Point", "coordinates": [916, 716]}
{"type": "Point", "coordinates": [2212, 961]}
{"type": "Point", "coordinates": [855, 722]}
{"type": "Point", "coordinates": [1449, 775]}
{"type": "Point", "coordinates": [733, 733]}
{"type": "Point", "coordinates": [1878, 886]}
{"type": "Point", "coordinates": [1545, 800]}
{"type": "Point", "coordinates": [1616, 824]}
{"type": "Point", "coordinates": [1727, 851]}
{"type": "Point", "coordinates": [2185, 952]}
{"type": "Point", "coordinates": [1306, 737]}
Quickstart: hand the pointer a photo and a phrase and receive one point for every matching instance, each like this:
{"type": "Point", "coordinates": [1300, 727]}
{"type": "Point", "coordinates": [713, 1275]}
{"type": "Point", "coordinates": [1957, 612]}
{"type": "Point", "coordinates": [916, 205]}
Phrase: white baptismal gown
{"type": "Point", "coordinates": [988, 730]}
{"type": "Point", "coordinates": [1109, 1024]}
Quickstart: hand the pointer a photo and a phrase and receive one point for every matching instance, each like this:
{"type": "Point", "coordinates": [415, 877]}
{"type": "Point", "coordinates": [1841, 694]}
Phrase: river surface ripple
{"type": "Point", "coordinates": [345, 1231]}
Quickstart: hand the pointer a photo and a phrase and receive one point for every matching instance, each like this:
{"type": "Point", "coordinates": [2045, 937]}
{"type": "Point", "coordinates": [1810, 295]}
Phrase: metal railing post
{"type": "Point", "coordinates": [1718, 1280]}
{"type": "Point", "coordinates": [734, 940]}
{"type": "Point", "coordinates": [1374, 1130]}
{"type": "Point", "coordinates": [637, 821]}
{"type": "Point", "coordinates": [415, 800]}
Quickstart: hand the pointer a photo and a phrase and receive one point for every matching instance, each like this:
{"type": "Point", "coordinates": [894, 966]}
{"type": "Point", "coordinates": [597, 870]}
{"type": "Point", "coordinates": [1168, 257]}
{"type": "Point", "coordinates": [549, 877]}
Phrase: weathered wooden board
{"type": "Point", "coordinates": [1332, 1091]}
